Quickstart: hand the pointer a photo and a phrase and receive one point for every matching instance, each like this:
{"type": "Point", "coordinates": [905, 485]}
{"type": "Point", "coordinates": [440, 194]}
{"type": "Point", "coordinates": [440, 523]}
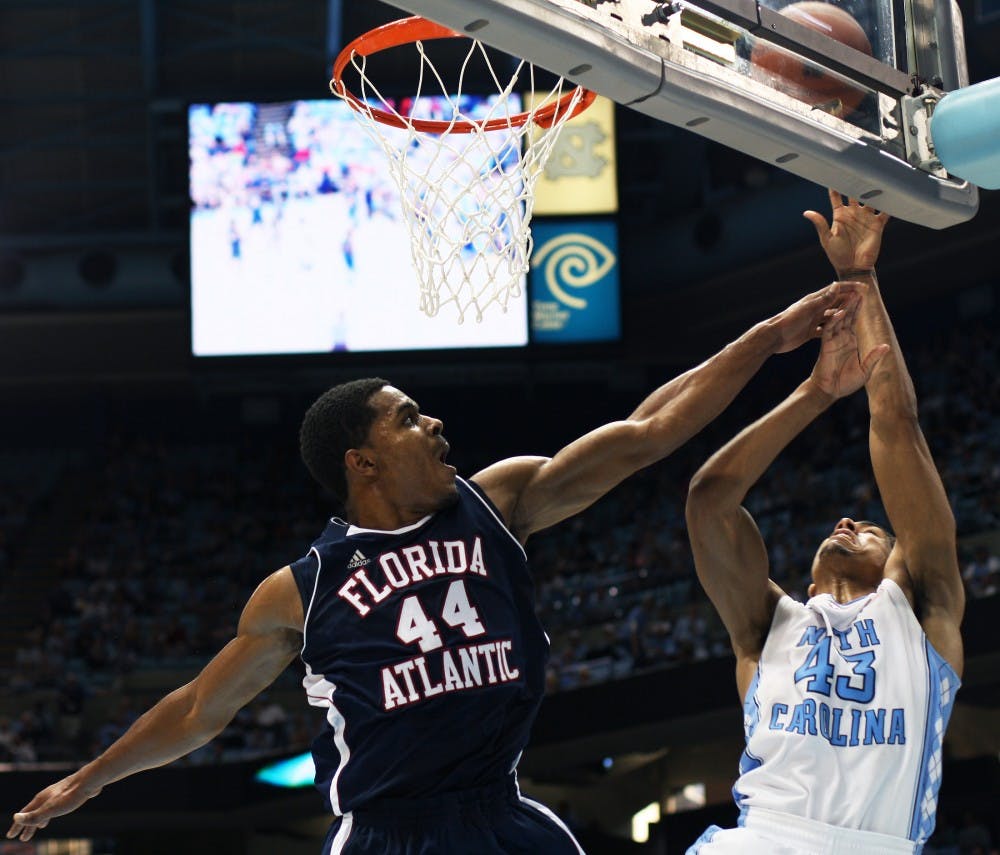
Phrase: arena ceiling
{"type": "Point", "coordinates": [94, 95]}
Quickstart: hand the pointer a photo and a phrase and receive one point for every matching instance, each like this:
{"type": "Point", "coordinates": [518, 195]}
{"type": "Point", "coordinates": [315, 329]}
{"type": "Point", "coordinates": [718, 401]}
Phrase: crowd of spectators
{"type": "Point", "coordinates": [174, 539]}
{"type": "Point", "coordinates": [26, 479]}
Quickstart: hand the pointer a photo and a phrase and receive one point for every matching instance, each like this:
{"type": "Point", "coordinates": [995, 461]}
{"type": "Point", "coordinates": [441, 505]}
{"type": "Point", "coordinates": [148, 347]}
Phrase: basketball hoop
{"type": "Point", "coordinates": [465, 168]}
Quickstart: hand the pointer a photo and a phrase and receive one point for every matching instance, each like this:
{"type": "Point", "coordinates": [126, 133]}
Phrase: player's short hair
{"type": "Point", "coordinates": [337, 421]}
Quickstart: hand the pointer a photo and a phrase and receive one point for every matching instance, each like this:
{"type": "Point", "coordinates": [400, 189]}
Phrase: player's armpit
{"type": "Point", "coordinates": [937, 598]}
{"type": "Point", "coordinates": [944, 634]}
{"type": "Point", "coordinates": [924, 525]}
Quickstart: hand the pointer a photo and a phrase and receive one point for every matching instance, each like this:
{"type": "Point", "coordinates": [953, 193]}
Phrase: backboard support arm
{"type": "Point", "coordinates": [656, 65]}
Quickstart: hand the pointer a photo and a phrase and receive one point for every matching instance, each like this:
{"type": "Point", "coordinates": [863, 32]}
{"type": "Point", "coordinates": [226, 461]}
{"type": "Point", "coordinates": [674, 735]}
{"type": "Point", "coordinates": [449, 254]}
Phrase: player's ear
{"type": "Point", "coordinates": [811, 590]}
{"type": "Point", "coordinates": [359, 462]}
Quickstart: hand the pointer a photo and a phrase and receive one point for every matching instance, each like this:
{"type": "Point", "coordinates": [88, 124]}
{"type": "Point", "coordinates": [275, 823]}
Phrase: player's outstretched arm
{"type": "Point", "coordinates": [534, 493]}
{"type": "Point", "coordinates": [924, 559]}
{"type": "Point", "coordinates": [729, 554]}
{"type": "Point", "coordinates": [268, 638]}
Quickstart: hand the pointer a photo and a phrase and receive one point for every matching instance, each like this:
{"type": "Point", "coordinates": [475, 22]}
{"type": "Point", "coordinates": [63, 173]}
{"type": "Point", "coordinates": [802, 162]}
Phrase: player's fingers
{"type": "Point", "coordinates": [835, 291]}
{"type": "Point", "coordinates": [838, 293]}
{"type": "Point", "coordinates": [835, 324]}
{"type": "Point", "coordinates": [819, 222]}
{"type": "Point", "coordinates": [18, 830]}
{"type": "Point", "coordinates": [851, 287]}
{"type": "Point", "coordinates": [23, 818]}
{"type": "Point", "coordinates": [836, 200]}
{"type": "Point", "coordinates": [853, 202]}
{"type": "Point", "coordinates": [851, 311]}
{"type": "Point", "coordinates": [26, 824]}
{"type": "Point", "coordinates": [29, 816]}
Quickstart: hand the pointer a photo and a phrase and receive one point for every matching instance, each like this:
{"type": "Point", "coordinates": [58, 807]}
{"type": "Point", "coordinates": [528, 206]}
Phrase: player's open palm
{"type": "Point", "coordinates": [840, 369]}
{"type": "Point", "coordinates": [60, 798]}
{"type": "Point", "coordinates": [853, 240]}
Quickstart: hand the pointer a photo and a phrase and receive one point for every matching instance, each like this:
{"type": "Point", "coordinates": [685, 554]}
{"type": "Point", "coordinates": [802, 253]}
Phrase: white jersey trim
{"type": "Point", "coordinates": [312, 597]}
{"type": "Point", "coordinates": [344, 832]}
{"type": "Point", "coordinates": [493, 513]}
{"type": "Point", "coordinates": [353, 529]}
{"type": "Point", "coordinates": [319, 692]}
{"type": "Point", "coordinates": [544, 810]}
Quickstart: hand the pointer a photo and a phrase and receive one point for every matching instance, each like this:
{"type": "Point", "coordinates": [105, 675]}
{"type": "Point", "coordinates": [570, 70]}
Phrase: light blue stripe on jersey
{"type": "Point", "coordinates": [710, 832]}
{"type": "Point", "coordinates": [751, 718]}
{"type": "Point", "coordinates": [943, 682]}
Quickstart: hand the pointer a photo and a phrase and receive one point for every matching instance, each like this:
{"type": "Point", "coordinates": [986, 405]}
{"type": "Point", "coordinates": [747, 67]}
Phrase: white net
{"type": "Point", "coordinates": [467, 193]}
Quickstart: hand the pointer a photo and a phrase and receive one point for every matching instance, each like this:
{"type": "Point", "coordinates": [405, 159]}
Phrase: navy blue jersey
{"type": "Point", "coordinates": [423, 646]}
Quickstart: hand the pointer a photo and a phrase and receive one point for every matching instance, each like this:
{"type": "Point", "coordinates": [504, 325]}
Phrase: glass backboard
{"type": "Point", "coordinates": [840, 93]}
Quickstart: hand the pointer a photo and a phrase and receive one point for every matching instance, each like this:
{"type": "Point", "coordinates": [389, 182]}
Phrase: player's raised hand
{"type": "Point", "coordinates": [60, 798]}
{"type": "Point", "coordinates": [853, 240]}
{"type": "Point", "coordinates": [804, 319]}
{"type": "Point", "coordinates": [840, 369]}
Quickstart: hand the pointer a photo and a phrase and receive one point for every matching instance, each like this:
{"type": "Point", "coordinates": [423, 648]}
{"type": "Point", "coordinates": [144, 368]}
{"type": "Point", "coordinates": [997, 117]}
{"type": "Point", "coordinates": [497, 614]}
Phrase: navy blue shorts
{"type": "Point", "coordinates": [494, 820]}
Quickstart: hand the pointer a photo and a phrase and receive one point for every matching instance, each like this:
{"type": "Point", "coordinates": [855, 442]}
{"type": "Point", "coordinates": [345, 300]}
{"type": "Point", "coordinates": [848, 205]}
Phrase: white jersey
{"type": "Point", "coordinates": [845, 717]}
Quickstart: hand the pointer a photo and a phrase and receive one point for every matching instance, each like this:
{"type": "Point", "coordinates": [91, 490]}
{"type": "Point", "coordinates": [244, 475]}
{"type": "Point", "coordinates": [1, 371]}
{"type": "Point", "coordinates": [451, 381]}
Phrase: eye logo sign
{"type": "Point", "coordinates": [573, 260]}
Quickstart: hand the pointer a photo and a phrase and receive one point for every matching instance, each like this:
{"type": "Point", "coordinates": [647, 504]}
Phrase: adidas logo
{"type": "Point", "coordinates": [357, 560]}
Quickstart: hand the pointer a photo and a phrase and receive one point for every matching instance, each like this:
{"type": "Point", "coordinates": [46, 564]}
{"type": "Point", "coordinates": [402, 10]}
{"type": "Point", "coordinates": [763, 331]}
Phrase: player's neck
{"type": "Point", "coordinates": [844, 590]}
{"type": "Point", "coordinates": [373, 512]}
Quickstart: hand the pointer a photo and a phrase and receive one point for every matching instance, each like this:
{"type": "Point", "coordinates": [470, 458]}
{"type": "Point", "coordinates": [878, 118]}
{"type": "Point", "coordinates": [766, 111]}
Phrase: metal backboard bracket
{"type": "Point", "coordinates": [674, 62]}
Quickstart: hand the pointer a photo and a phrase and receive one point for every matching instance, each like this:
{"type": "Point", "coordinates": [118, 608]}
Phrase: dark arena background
{"type": "Point", "coordinates": [144, 492]}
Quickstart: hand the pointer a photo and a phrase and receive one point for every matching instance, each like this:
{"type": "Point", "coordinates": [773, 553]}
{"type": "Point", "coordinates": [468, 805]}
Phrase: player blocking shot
{"type": "Point", "coordinates": [414, 614]}
{"type": "Point", "coordinates": [846, 697]}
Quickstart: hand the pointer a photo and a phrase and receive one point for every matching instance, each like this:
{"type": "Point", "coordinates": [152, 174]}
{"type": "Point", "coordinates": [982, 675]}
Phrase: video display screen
{"type": "Point", "coordinates": [298, 243]}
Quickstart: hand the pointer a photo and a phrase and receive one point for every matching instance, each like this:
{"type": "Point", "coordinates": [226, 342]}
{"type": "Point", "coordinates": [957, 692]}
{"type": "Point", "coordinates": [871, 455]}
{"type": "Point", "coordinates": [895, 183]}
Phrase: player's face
{"type": "Point", "coordinates": [857, 541]}
{"type": "Point", "coordinates": [410, 451]}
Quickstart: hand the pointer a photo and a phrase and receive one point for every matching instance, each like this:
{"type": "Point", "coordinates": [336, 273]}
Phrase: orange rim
{"type": "Point", "coordinates": [415, 29]}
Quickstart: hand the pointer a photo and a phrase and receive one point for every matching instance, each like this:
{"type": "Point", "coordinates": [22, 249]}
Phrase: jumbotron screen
{"type": "Point", "coordinates": [298, 243]}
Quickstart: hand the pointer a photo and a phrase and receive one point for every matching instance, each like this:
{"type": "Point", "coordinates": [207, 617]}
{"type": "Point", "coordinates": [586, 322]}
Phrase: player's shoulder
{"type": "Point", "coordinates": [504, 481]}
{"type": "Point", "coordinates": [509, 472]}
{"type": "Point", "coordinates": [333, 532]}
{"type": "Point", "coordinates": [275, 604]}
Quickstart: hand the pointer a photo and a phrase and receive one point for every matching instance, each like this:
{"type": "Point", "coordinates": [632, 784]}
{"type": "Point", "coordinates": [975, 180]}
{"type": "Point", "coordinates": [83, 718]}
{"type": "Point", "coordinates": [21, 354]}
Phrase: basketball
{"type": "Point", "coordinates": [800, 79]}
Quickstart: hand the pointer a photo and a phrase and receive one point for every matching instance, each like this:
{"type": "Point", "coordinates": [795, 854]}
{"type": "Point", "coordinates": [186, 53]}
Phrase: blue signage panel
{"type": "Point", "coordinates": [574, 281]}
